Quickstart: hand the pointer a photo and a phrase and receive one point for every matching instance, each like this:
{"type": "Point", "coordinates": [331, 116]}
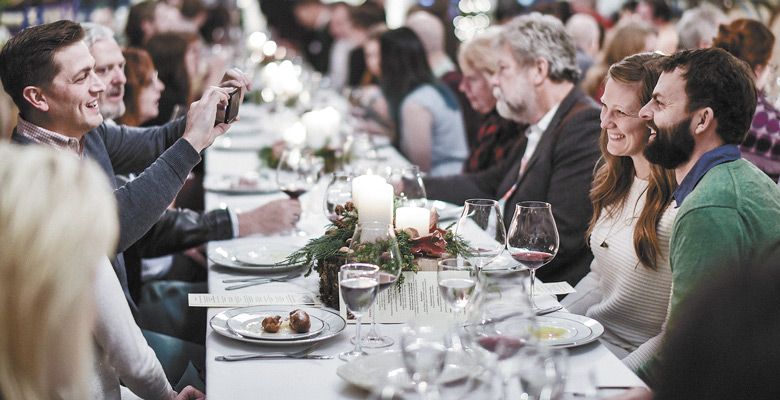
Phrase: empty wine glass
{"type": "Point", "coordinates": [374, 242]}
{"type": "Point", "coordinates": [482, 227]}
{"type": "Point", "coordinates": [408, 186]}
{"type": "Point", "coordinates": [533, 237]}
{"type": "Point", "coordinates": [338, 192]}
{"type": "Point", "coordinates": [457, 280]}
{"type": "Point", "coordinates": [359, 286]}
{"type": "Point", "coordinates": [297, 172]}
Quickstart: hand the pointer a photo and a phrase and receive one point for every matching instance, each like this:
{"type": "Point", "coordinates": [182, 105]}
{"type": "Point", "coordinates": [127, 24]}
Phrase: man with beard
{"type": "Point", "coordinates": [729, 211]}
{"type": "Point", "coordinates": [535, 85]}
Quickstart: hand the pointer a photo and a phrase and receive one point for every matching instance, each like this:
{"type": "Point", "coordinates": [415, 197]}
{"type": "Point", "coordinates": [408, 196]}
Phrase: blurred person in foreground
{"type": "Point", "coordinates": [535, 85]}
{"type": "Point", "coordinates": [701, 109]}
{"type": "Point", "coordinates": [46, 198]}
{"type": "Point", "coordinates": [497, 137]}
{"type": "Point", "coordinates": [752, 42]}
{"type": "Point", "coordinates": [632, 222]}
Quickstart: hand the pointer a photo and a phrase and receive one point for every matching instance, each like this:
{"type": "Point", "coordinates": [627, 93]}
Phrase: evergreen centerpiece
{"type": "Point", "coordinates": [327, 253]}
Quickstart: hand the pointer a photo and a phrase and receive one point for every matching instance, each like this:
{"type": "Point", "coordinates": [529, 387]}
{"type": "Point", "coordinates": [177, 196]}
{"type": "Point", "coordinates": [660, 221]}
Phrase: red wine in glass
{"type": "Point", "coordinates": [294, 193]}
{"type": "Point", "coordinates": [502, 346]}
{"type": "Point", "coordinates": [532, 259]}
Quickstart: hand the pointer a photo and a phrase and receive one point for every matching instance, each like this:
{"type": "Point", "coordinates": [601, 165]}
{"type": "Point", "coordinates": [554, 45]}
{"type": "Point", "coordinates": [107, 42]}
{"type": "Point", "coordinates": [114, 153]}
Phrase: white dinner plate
{"type": "Point", "coordinates": [250, 325]}
{"type": "Point", "coordinates": [376, 369]}
{"type": "Point", "coordinates": [333, 324]}
{"type": "Point", "coordinates": [252, 254]}
{"type": "Point", "coordinates": [248, 183]}
{"type": "Point", "coordinates": [446, 211]}
{"type": "Point", "coordinates": [563, 330]}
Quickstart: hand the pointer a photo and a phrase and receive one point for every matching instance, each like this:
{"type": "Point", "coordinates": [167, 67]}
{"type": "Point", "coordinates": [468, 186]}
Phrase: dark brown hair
{"type": "Point", "coordinates": [716, 79]}
{"type": "Point", "coordinates": [614, 176]}
{"type": "Point", "coordinates": [168, 52]}
{"type": "Point", "coordinates": [143, 11]}
{"type": "Point", "coordinates": [139, 70]}
{"type": "Point", "coordinates": [746, 39]}
{"type": "Point", "coordinates": [27, 59]}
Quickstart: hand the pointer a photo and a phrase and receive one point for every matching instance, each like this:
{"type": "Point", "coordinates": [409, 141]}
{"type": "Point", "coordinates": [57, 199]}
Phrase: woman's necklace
{"type": "Point", "coordinates": [626, 222]}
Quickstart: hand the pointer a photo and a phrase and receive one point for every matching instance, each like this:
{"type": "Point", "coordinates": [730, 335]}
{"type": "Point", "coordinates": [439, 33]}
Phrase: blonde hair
{"type": "Point", "coordinates": [479, 53]}
{"type": "Point", "coordinates": [58, 219]}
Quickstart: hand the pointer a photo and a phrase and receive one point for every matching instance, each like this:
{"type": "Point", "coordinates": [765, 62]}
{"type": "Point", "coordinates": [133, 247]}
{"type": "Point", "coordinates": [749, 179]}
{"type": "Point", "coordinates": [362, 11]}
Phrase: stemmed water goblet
{"type": "Point", "coordinates": [533, 238]}
{"type": "Point", "coordinates": [338, 192]}
{"type": "Point", "coordinates": [482, 227]}
{"type": "Point", "coordinates": [457, 281]}
{"type": "Point", "coordinates": [374, 242]}
{"type": "Point", "coordinates": [359, 286]}
{"type": "Point", "coordinates": [297, 172]}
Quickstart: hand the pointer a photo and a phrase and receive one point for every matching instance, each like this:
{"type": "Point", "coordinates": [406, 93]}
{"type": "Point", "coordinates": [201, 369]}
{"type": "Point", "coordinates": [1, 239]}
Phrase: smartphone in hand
{"type": "Point", "coordinates": [231, 111]}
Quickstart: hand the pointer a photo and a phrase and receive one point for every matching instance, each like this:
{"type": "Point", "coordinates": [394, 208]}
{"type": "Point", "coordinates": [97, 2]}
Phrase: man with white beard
{"type": "Point", "coordinates": [535, 85]}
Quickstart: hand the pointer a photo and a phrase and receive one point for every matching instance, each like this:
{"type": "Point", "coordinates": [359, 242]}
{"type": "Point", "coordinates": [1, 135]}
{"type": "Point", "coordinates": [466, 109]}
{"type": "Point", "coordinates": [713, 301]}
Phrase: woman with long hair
{"type": "Point", "coordinates": [142, 90]}
{"type": "Point", "coordinates": [629, 284]}
{"type": "Point", "coordinates": [428, 123]}
{"type": "Point", "coordinates": [177, 60]}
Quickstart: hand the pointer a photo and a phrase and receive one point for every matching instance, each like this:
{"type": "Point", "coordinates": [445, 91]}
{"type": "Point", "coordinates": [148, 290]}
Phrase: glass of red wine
{"type": "Point", "coordinates": [375, 243]}
{"type": "Point", "coordinates": [359, 286]}
{"type": "Point", "coordinates": [533, 237]}
{"type": "Point", "coordinates": [297, 172]}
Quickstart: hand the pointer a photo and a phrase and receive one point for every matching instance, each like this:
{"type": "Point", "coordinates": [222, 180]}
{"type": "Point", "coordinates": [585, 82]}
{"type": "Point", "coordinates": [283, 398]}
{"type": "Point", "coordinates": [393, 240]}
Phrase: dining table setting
{"type": "Point", "coordinates": [285, 321]}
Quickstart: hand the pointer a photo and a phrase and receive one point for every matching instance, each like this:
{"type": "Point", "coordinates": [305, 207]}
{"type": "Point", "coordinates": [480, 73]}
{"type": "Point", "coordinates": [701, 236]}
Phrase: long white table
{"type": "Point", "coordinates": [590, 365]}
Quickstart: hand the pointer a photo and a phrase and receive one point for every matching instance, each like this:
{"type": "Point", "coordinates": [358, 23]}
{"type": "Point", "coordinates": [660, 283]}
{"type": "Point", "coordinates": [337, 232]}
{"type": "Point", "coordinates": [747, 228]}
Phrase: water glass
{"type": "Point", "coordinates": [424, 352]}
{"type": "Point", "coordinates": [457, 281]}
{"type": "Point", "coordinates": [359, 285]}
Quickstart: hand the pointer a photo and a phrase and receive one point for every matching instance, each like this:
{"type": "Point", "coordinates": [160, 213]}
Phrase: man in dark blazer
{"type": "Point", "coordinates": [535, 85]}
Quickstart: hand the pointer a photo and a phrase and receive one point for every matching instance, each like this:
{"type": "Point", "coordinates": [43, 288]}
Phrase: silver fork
{"type": "Point", "coordinates": [258, 282]}
{"type": "Point", "coordinates": [259, 278]}
{"type": "Point", "coordinates": [297, 354]}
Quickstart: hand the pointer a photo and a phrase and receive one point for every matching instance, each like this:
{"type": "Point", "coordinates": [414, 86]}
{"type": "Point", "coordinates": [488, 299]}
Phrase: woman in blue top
{"type": "Point", "coordinates": [429, 125]}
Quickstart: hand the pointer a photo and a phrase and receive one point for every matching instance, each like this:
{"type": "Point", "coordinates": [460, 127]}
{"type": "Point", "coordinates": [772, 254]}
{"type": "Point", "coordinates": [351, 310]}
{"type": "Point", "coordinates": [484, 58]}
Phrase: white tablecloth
{"type": "Point", "coordinates": [590, 365]}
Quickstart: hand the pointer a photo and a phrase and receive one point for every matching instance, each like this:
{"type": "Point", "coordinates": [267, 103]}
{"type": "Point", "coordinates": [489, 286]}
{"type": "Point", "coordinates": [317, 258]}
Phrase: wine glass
{"type": "Point", "coordinates": [297, 172]}
{"type": "Point", "coordinates": [408, 186]}
{"type": "Point", "coordinates": [338, 192]}
{"type": "Point", "coordinates": [457, 280]}
{"type": "Point", "coordinates": [499, 323]}
{"type": "Point", "coordinates": [359, 286]}
{"type": "Point", "coordinates": [424, 351]}
{"type": "Point", "coordinates": [374, 242]}
{"type": "Point", "coordinates": [482, 227]}
{"type": "Point", "coordinates": [533, 237]}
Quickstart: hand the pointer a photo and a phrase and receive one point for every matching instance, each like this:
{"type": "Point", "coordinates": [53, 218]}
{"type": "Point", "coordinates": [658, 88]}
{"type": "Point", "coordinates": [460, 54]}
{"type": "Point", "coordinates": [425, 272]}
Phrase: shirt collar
{"type": "Point", "coordinates": [719, 155]}
{"type": "Point", "coordinates": [544, 122]}
{"type": "Point", "coordinates": [44, 136]}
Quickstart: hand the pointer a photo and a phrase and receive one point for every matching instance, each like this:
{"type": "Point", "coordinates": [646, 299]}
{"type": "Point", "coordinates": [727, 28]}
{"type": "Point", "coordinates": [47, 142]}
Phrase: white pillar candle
{"type": "Point", "coordinates": [376, 204]}
{"type": "Point", "coordinates": [364, 184]}
{"type": "Point", "coordinates": [413, 217]}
